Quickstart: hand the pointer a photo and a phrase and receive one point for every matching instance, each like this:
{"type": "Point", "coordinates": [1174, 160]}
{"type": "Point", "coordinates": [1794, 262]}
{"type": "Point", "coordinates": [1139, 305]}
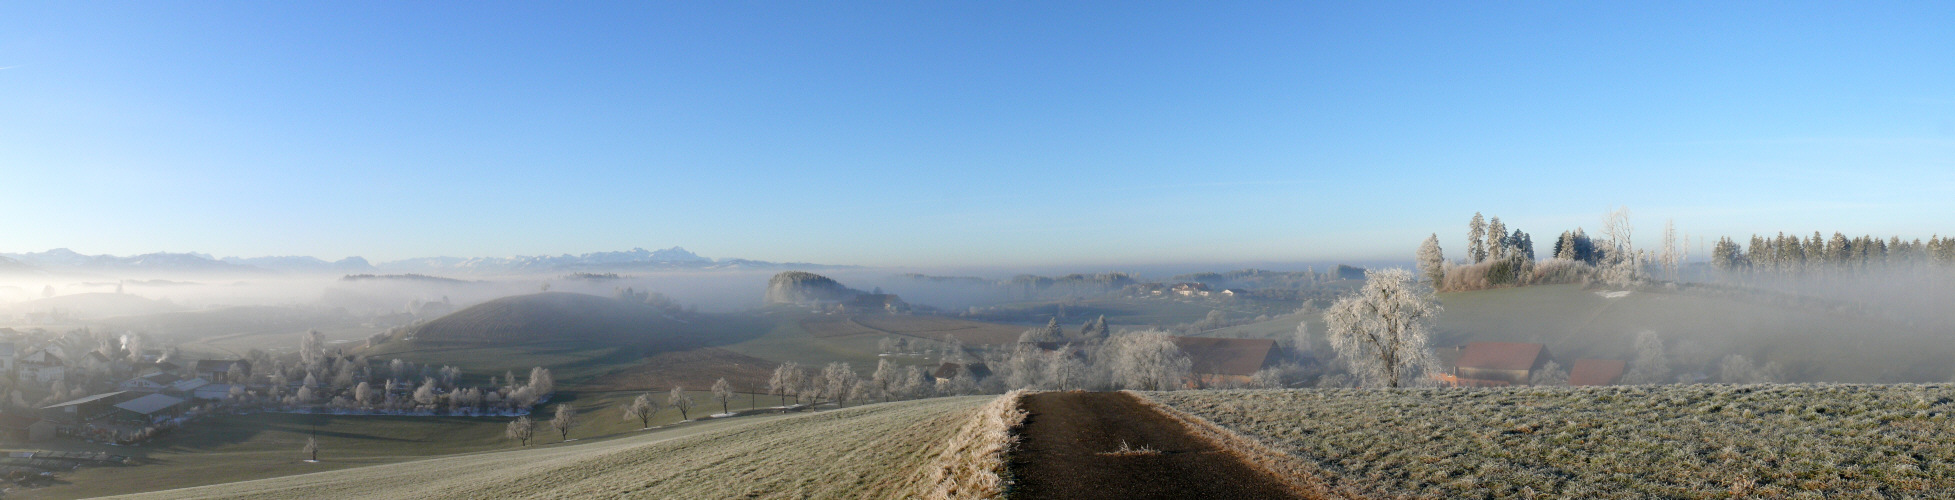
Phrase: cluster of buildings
{"type": "Point", "coordinates": [1214, 362]}
{"type": "Point", "coordinates": [1186, 290]}
{"type": "Point", "coordinates": [125, 399]}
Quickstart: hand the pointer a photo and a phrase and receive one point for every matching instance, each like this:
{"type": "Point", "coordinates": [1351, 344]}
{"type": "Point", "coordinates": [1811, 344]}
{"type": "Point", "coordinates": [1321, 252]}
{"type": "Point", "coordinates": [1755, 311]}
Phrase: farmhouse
{"type": "Point", "coordinates": [1495, 364]}
{"type": "Point", "coordinates": [16, 428]}
{"type": "Point", "coordinates": [1225, 362]}
{"type": "Point", "coordinates": [1596, 372]}
{"type": "Point", "coordinates": [147, 409]}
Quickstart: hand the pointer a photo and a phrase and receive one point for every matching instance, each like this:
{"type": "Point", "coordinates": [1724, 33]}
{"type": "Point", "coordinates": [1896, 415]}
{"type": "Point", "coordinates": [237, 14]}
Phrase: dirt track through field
{"type": "Point", "coordinates": [1067, 451]}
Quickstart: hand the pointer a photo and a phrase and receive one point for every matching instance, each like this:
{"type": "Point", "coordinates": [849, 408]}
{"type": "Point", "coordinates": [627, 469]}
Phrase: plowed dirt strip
{"type": "Point", "coordinates": [1070, 449]}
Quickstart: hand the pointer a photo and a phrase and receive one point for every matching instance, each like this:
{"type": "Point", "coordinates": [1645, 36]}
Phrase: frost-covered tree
{"type": "Point", "coordinates": [1550, 374]}
{"type": "Point", "coordinates": [311, 449]}
{"type": "Point", "coordinates": [312, 348]}
{"type": "Point", "coordinates": [1651, 365]}
{"type": "Point", "coordinates": [1048, 333]}
{"type": "Point", "coordinates": [641, 409]}
{"type": "Point", "coordinates": [884, 381]}
{"type": "Point", "coordinates": [1382, 332]}
{"type": "Point", "coordinates": [565, 419]}
{"type": "Point", "coordinates": [1065, 371]}
{"type": "Point", "coordinates": [1672, 253]}
{"type": "Point", "coordinates": [424, 395]}
{"type": "Point", "coordinates": [678, 399]}
{"type": "Point", "coordinates": [723, 393]}
{"type": "Point", "coordinates": [784, 381]}
{"type": "Point", "coordinates": [363, 393]}
{"type": "Point", "coordinates": [841, 382]}
{"type": "Point", "coordinates": [1147, 361]}
{"type": "Point", "coordinates": [1726, 256]}
{"type": "Point", "coordinates": [1298, 343]}
{"type": "Point", "coordinates": [1024, 368]}
{"type": "Point", "coordinates": [1496, 239]}
{"type": "Point", "coordinates": [540, 380]}
{"type": "Point", "coordinates": [521, 429]}
{"type": "Point", "coordinates": [1094, 331]}
{"type": "Point", "coordinates": [1432, 261]}
{"type": "Point", "coordinates": [1737, 369]}
{"type": "Point", "coordinates": [1476, 237]}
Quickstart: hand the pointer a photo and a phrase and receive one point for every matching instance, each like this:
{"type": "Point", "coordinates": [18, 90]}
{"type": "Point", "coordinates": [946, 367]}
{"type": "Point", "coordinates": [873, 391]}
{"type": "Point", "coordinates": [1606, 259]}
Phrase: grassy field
{"type": "Point", "coordinates": [1692, 441]}
{"type": "Point", "coordinates": [875, 451]}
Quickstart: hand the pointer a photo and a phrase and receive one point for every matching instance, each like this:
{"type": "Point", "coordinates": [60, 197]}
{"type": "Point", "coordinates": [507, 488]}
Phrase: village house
{"type": "Point", "coordinates": [1221, 362]}
{"type": "Point", "coordinates": [1190, 289]}
{"type": "Point", "coordinates": [1588, 372]}
{"type": "Point", "coordinates": [1496, 364]}
{"type": "Point", "coordinates": [96, 363]}
{"type": "Point", "coordinates": [42, 366]}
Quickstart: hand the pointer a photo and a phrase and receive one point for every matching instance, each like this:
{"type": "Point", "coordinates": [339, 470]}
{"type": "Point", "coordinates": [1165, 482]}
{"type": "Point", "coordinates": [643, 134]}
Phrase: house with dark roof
{"type": "Point", "coordinates": [1220, 362]}
{"type": "Point", "coordinates": [1597, 372]}
{"type": "Point", "coordinates": [1496, 364]}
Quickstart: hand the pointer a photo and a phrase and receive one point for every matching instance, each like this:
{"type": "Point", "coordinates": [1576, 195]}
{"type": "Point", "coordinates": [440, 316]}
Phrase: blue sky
{"type": "Point", "coordinates": [960, 133]}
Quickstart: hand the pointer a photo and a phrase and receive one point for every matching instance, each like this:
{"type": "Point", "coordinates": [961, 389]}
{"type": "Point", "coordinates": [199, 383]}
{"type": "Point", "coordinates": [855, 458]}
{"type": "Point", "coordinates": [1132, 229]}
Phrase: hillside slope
{"type": "Point", "coordinates": [551, 317]}
{"type": "Point", "coordinates": [875, 451]}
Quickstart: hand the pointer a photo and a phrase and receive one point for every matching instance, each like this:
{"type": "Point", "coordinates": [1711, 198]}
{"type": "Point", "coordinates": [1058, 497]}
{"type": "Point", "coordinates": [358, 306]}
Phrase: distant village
{"type": "Point", "coordinates": [96, 387]}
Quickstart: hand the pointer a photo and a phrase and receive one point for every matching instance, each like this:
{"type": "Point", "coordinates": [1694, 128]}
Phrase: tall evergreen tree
{"type": "Point", "coordinates": [1432, 261]}
{"type": "Point", "coordinates": [1497, 239]}
{"type": "Point", "coordinates": [1476, 236]}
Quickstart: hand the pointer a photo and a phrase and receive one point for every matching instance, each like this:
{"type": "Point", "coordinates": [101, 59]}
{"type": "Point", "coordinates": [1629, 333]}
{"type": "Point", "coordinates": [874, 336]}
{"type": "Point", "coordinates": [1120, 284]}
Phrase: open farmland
{"type": "Point", "coordinates": [890, 449]}
{"type": "Point", "coordinates": [1692, 441]}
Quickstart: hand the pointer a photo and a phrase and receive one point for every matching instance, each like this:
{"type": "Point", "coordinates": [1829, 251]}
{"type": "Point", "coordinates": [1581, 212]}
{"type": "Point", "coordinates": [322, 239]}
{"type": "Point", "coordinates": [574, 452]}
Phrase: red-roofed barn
{"type": "Point", "coordinates": [1496, 364]}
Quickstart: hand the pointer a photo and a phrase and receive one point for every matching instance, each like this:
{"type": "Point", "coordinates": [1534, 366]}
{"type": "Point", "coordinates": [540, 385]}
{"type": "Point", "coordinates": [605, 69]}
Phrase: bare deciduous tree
{"type": "Point", "coordinates": [1382, 332]}
{"type": "Point", "coordinates": [841, 382]}
{"type": "Point", "coordinates": [565, 420]}
{"type": "Point", "coordinates": [784, 381]}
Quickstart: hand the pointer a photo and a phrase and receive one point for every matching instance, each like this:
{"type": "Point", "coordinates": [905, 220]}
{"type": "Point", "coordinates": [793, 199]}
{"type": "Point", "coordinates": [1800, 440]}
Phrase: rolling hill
{"type": "Point", "coordinates": [553, 317]}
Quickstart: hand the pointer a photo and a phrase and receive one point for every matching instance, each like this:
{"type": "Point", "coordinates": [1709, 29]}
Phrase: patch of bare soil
{"type": "Point", "coordinates": [1084, 445]}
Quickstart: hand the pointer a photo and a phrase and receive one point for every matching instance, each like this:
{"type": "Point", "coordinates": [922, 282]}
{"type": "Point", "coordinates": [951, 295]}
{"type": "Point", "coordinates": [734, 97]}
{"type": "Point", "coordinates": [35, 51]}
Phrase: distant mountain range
{"type": "Point", "coordinates": [636, 259]}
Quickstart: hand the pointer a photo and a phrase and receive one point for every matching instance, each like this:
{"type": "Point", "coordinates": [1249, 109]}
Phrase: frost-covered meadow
{"type": "Point", "coordinates": [1678, 441]}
